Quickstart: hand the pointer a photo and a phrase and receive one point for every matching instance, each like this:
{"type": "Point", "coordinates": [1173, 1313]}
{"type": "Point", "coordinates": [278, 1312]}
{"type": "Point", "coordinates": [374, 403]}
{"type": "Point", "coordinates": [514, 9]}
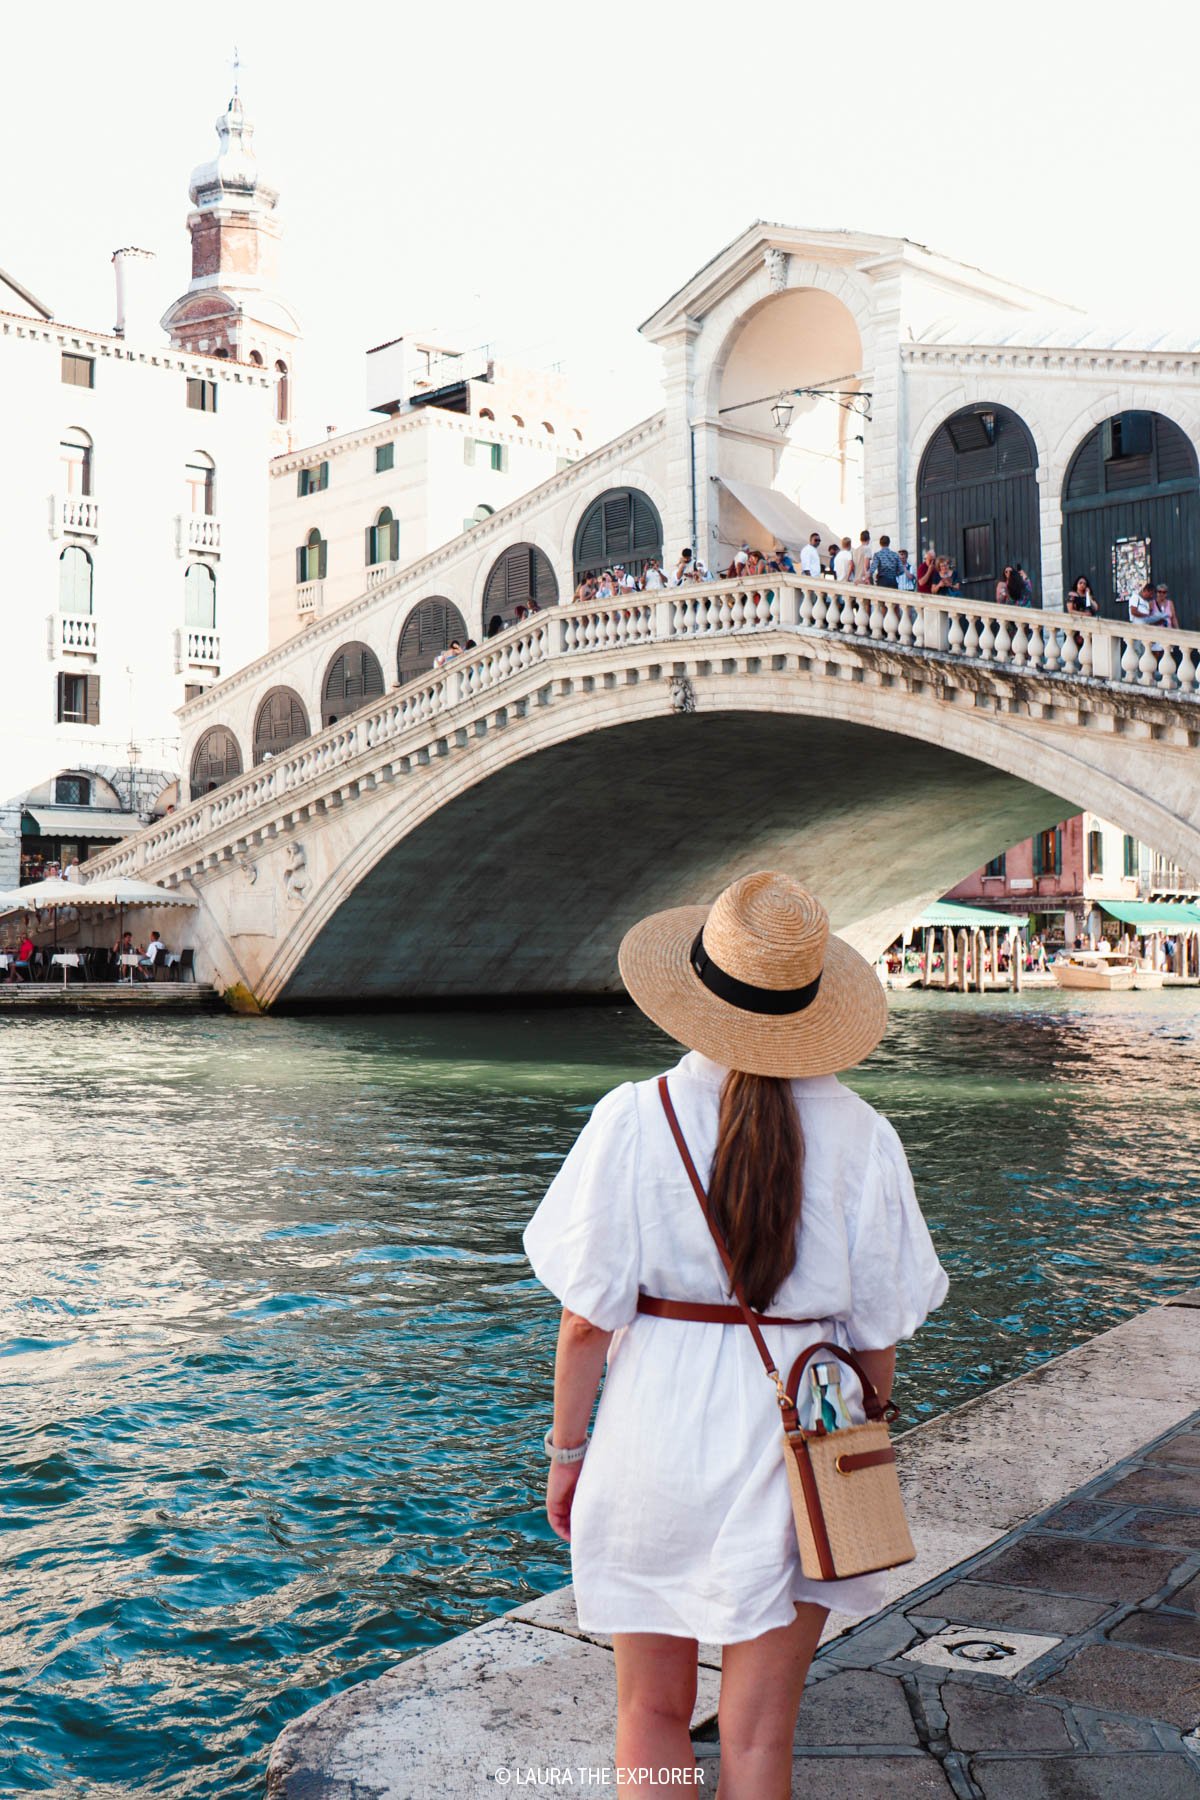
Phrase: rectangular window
{"type": "Point", "coordinates": [1130, 857]}
{"type": "Point", "coordinates": [1129, 434]}
{"type": "Point", "coordinates": [998, 864]}
{"type": "Point", "coordinates": [72, 790]}
{"type": "Point", "coordinates": [78, 371]}
{"type": "Point", "coordinates": [312, 480]}
{"type": "Point", "coordinates": [479, 452]}
{"type": "Point", "coordinates": [1047, 852]}
{"type": "Point", "coordinates": [977, 553]}
{"type": "Point", "coordinates": [192, 690]}
{"type": "Point", "coordinates": [1095, 852]}
{"type": "Point", "coordinates": [385, 457]}
{"type": "Point", "coordinates": [201, 395]}
{"type": "Point", "coordinates": [78, 700]}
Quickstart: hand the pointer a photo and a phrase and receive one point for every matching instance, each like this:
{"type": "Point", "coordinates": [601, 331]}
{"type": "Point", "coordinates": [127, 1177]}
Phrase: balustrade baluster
{"type": "Point", "coordinates": [1187, 671]}
{"type": "Point", "coordinates": [806, 606]}
{"type": "Point", "coordinates": [1147, 667]}
{"type": "Point", "coordinates": [907, 623]}
{"type": "Point", "coordinates": [1130, 661]}
{"type": "Point", "coordinates": [957, 636]}
{"type": "Point", "coordinates": [1020, 645]}
{"type": "Point", "coordinates": [1069, 653]}
{"type": "Point", "coordinates": [1167, 666]}
{"type": "Point", "coordinates": [971, 637]}
{"type": "Point", "coordinates": [875, 617]}
{"type": "Point", "coordinates": [821, 609]}
{"type": "Point", "coordinates": [1052, 657]}
{"type": "Point", "coordinates": [987, 639]}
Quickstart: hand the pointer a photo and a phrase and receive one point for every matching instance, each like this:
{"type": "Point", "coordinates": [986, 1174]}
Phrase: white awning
{"type": "Point", "coordinates": [781, 519]}
{"type": "Point", "coordinates": [90, 823]}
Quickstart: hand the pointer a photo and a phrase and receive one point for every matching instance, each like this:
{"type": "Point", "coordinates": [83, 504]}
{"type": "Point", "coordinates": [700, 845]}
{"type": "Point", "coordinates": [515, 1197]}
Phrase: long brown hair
{"type": "Point", "coordinates": [756, 1185]}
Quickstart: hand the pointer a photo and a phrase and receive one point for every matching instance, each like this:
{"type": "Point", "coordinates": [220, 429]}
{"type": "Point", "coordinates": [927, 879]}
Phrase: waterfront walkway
{"type": "Point", "coordinates": [1044, 1646]}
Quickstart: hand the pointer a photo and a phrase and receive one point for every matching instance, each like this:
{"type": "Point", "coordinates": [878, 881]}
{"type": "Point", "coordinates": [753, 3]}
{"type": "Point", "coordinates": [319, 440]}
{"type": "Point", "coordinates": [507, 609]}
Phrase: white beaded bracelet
{"type": "Point", "coordinates": [575, 1454]}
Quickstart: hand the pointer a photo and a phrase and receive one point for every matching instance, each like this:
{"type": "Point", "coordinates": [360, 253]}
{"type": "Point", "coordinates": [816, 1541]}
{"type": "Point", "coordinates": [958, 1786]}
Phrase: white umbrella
{"type": "Point", "coordinates": [124, 892]}
{"type": "Point", "coordinates": [53, 891]}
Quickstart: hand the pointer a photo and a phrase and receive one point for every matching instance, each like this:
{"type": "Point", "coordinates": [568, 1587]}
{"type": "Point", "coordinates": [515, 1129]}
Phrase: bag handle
{"type": "Point", "coordinates": [786, 1396]}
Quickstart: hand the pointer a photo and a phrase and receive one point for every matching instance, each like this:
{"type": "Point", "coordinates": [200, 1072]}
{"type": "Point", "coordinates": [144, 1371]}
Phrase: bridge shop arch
{"type": "Point", "coordinates": [519, 574]}
{"type": "Point", "coordinates": [216, 758]}
{"type": "Point", "coordinates": [620, 526]}
{"type": "Point", "coordinates": [280, 722]}
{"type": "Point", "coordinates": [429, 629]}
{"type": "Point", "coordinates": [977, 497]}
{"type": "Point", "coordinates": [353, 677]}
{"type": "Point", "coordinates": [1134, 477]}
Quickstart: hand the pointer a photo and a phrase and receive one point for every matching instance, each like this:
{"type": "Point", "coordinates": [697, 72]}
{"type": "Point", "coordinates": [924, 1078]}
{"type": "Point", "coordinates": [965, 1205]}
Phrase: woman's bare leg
{"type": "Point", "coordinates": [762, 1681]}
{"type": "Point", "coordinates": [656, 1696]}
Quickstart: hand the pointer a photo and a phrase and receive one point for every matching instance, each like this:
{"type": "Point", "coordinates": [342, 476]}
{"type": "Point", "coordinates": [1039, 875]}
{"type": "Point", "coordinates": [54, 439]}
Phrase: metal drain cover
{"type": "Point", "coordinates": [967, 1647]}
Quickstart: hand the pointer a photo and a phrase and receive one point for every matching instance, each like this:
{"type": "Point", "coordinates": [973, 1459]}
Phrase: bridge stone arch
{"type": "Point", "coordinates": [724, 324]}
{"type": "Point", "coordinates": [797, 773]}
{"type": "Point", "coordinates": [280, 720]}
{"type": "Point", "coordinates": [352, 676]}
{"type": "Point", "coordinates": [977, 495]}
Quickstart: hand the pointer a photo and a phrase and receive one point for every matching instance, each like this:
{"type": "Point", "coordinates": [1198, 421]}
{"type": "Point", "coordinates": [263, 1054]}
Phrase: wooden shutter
{"type": "Point", "coordinates": [301, 564]}
{"type": "Point", "coordinates": [92, 700]}
{"type": "Point", "coordinates": [322, 558]}
{"type": "Point", "coordinates": [370, 550]}
{"type": "Point", "coordinates": [1038, 865]}
{"type": "Point", "coordinates": [394, 540]}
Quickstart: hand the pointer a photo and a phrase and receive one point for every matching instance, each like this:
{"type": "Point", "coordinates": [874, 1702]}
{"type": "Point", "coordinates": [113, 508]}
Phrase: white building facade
{"type": "Point", "coordinates": [133, 508]}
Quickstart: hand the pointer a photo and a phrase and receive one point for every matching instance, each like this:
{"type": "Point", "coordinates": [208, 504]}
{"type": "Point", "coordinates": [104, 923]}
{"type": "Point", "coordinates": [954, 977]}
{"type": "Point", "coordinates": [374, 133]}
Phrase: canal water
{"type": "Point", "coordinates": [274, 1374]}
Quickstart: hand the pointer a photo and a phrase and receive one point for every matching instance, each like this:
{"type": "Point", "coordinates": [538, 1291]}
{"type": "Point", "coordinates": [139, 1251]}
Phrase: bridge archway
{"type": "Point", "coordinates": [429, 629]}
{"type": "Point", "coordinates": [215, 759]}
{"type": "Point", "coordinates": [977, 496]}
{"type": "Point", "coordinates": [519, 574]}
{"type": "Point", "coordinates": [280, 722]}
{"type": "Point", "coordinates": [353, 677]}
{"type": "Point", "coordinates": [1134, 479]}
{"type": "Point", "coordinates": [782, 483]}
{"type": "Point", "coordinates": [620, 526]}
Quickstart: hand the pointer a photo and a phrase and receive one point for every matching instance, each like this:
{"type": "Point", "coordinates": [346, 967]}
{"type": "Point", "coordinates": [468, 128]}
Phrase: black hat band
{"type": "Point", "coordinates": [743, 994]}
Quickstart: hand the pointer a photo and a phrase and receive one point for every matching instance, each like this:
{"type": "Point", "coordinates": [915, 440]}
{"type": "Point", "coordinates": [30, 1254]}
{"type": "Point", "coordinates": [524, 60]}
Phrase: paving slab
{"type": "Point", "coordinates": [1153, 1487]}
{"type": "Point", "coordinates": [505, 1696]}
{"type": "Point", "coordinates": [1165, 1528]}
{"type": "Point", "coordinates": [1188, 1597]}
{"type": "Point", "coordinates": [987, 1603]}
{"type": "Point", "coordinates": [1102, 1571]}
{"type": "Point", "coordinates": [1183, 1450]}
{"type": "Point", "coordinates": [1130, 1681]}
{"type": "Point", "coordinates": [915, 1777]}
{"type": "Point", "coordinates": [1079, 1516]}
{"type": "Point", "coordinates": [556, 1612]}
{"type": "Point", "coordinates": [853, 1709]}
{"type": "Point", "coordinates": [979, 1719]}
{"type": "Point", "coordinates": [1086, 1778]}
{"type": "Point", "coordinates": [1159, 1630]}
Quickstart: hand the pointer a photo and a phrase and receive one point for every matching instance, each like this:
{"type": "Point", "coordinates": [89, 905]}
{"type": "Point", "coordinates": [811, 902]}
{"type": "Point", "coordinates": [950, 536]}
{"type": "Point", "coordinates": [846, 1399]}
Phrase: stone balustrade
{"type": "Point", "coordinates": [76, 632]}
{"type": "Point", "coordinates": [310, 599]}
{"type": "Point", "coordinates": [378, 574]}
{"type": "Point", "coordinates": [198, 531]}
{"type": "Point", "coordinates": [1058, 647]}
{"type": "Point", "coordinates": [80, 515]}
{"type": "Point", "coordinates": [204, 649]}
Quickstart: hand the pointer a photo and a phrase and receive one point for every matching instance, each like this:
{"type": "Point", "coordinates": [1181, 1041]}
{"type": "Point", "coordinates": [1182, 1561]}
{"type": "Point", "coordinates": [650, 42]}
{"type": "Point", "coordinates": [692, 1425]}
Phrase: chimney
{"type": "Point", "coordinates": [137, 312]}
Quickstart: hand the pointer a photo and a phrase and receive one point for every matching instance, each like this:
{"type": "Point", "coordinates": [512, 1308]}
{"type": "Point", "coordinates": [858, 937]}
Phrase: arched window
{"type": "Point", "coordinates": [383, 538]}
{"type": "Point", "coordinates": [1131, 513]}
{"type": "Point", "coordinates": [518, 420]}
{"type": "Point", "coordinates": [200, 598]}
{"type": "Point", "coordinates": [200, 480]}
{"type": "Point", "coordinates": [280, 722]}
{"type": "Point", "coordinates": [216, 759]}
{"type": "Point", "coordinates": [622, 526]}
{"type": "Point", "coordinates": [485, 412]}
{"type": "Point", "coordinates": [75, 581]}
{"type": "Point", "coordinates": [977, 497]}
{"type": "Point", "coordinates": [75, 456]}
{"type": "Point", "coordinates": [521, 574]}
{"type": "Point", "coordinates": [283, 393]}
{"type": "Point", "coordinates": [429, 629]}
{"type": "Point", "coordinates": [577, 432]}
{"type": "Point", "coordinates": [353, 677]}
{"type": "Point", "coordinates": [311, 558]}
{"type": "Point", "coordinates": [482, 511]}
{"type": "Point", "coordinates": [548, 428]}
{"type": "Point", "coordinates": [256, 361]}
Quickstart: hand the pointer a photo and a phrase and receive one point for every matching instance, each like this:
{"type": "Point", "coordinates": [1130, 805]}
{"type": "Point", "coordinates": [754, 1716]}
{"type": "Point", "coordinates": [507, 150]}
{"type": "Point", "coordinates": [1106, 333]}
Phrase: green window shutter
{"type": "Point", "coordinates": [323, 479]}
{"type": "Point", "coordinates": [1131, 856]}
{"type": "Point", "coordinates": [301, 564]}
{"type": "Point", "coordinates": [394, 546]}
{"type": "Point", "coordinates": [301, 484]}
{"type": "Point", "coordinates": [1057, 851]}
{"type": "Point", "coordinates": [322, 558]}
{"type": "Point", "coordinates": [370, 552]}
{"type": "Point", "coordinates": [1038, 866]}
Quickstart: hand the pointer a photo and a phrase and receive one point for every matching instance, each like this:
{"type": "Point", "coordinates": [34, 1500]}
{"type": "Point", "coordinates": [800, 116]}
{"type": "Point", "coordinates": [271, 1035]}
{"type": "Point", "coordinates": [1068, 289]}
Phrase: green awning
{"type": "Point", "coordinates": [1155, 915]}
{"type": "Point", "coordinates": [971, 918]}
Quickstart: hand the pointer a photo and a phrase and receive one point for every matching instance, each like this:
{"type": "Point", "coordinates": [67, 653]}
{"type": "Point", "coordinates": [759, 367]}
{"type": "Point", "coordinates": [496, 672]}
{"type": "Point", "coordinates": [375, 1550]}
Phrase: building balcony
{"type": "Point", "coordinates": [310, 599]}
{"type": "Point", "coordinates": [378, 573]}
{"type": "Point", "coordinates": [203, 649]}
{"type": "Point", "coordinates": [73, 634]}
{"type": "Point", "coordinates": [76, 515]}
{"type": "Point", "coordinates": [197, 532]}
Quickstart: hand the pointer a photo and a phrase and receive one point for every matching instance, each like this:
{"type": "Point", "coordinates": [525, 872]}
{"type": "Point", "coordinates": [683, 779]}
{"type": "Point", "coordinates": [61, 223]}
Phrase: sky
{"type": "Point", "coordinates": [541, 177]}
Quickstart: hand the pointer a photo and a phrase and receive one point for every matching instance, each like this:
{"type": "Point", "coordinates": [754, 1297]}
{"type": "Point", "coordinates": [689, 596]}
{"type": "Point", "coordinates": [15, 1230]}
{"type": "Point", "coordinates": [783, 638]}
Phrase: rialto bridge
{"type": "Point", "coordinates": [492, 828]}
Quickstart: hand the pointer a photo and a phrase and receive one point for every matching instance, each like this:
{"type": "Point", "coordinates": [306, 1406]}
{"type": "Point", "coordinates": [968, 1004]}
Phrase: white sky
{"type": "Point", "coordinates": [543, 175]}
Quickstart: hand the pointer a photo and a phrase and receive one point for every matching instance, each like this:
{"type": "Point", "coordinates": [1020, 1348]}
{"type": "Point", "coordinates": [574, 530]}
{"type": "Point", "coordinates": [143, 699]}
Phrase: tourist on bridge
{"type": "Point", "coordinates": [906, 579]}
{"type": "Point", "coordinates": [843, 565]}
{"type": "Point", "coordinates": [810, 557]}
{"type": "Point", "coordinates": [1082, 600]}
{"type": "Point", "coordinates": [1144, 608]}
{"type": "Point", "coordinates": [831, 556]}
{"type": "Point", "coordinates": [862, 558]}
{"type": "Point", "coordinates": [653, 575]}
{"type": "Point", "coordinates": [678, 1508]}
{"type": "Point", "coordinates": [885, 565]}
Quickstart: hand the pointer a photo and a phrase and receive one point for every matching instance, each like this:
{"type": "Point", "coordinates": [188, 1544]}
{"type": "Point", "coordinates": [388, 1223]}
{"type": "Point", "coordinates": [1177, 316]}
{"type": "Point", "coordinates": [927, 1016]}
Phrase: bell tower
{"type": "Point", "coordinates": [232, 307]}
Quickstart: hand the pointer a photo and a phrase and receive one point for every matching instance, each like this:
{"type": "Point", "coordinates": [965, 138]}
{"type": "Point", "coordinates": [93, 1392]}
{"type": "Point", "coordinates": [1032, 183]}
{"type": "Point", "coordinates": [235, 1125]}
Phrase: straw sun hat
{"type": "Point", "coordinates": [756, 982]}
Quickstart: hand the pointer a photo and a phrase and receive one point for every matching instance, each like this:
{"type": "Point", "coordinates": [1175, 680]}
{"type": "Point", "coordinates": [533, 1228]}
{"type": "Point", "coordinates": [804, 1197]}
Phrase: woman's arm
{"type": "Point", "coordinates": [578, 1366]}
{"type": "Point", "coordinates": [881, 1369]}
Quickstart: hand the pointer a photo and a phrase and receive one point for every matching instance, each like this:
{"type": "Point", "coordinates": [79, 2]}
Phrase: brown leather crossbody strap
{"type": "Point", "coordinates": [701, 1312]}
{"type": "Point", "coordinates": [786, 1401]}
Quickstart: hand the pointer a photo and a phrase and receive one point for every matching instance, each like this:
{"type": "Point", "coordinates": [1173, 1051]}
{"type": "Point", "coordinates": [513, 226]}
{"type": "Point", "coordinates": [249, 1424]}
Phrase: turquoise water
{"type": "Point", "coordinates": [274, 1375]}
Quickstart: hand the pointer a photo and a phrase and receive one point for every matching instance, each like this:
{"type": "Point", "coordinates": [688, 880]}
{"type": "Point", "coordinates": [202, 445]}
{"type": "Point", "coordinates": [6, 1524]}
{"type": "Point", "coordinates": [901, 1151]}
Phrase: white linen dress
{"type": "Point", "coordinates": [681, 1522]}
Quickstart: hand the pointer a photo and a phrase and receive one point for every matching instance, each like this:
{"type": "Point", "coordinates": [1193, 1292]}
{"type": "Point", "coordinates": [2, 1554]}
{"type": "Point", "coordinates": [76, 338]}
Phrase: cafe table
{"type": "Point", "coordinates": [67, 960]}
{"type": "Point", "coordinates": [129, 960]}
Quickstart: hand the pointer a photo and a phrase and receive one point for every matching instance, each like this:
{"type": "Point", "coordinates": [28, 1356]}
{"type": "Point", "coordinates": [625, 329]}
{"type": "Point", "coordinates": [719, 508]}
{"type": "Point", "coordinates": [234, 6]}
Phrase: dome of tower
{"type": "Point", "coordinates": [233, 174]}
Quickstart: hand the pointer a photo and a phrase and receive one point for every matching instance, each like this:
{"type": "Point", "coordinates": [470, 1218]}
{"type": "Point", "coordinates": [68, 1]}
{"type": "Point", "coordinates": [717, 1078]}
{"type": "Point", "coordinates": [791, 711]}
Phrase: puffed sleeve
{"type": "Point", "coordinates": [583, 1239]}
{"type": "Point", "coordinates": [896, 1280]}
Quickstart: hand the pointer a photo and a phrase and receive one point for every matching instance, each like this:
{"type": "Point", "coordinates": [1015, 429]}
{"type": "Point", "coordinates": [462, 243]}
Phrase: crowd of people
{"type": "Point", "coordinates": [27, 961]}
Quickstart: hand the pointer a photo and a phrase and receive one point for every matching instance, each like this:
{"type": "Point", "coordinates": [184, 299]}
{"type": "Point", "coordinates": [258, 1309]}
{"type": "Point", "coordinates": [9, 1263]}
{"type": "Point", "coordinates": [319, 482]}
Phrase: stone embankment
{"type": "Point", "coordinates": [1045, 1642]}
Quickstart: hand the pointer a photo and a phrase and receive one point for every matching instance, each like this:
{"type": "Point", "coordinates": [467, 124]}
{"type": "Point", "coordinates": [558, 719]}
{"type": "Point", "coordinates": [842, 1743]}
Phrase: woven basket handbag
{"type": "Point", "coordinates": [845, 1492]}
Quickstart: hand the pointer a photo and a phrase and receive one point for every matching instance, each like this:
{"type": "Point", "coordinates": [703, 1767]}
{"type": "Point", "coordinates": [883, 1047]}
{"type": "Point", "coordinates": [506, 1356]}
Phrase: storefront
{"type": "Point", "coordinates": [54, 837]}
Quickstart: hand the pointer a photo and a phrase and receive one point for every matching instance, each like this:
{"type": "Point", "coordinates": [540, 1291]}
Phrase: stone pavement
{"type": "Point", "coordinates": [1063, 1663]}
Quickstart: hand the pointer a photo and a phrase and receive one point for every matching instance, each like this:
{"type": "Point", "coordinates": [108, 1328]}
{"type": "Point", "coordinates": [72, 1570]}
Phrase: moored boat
{"type": "Point", "coordinates": [1107, 970]}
